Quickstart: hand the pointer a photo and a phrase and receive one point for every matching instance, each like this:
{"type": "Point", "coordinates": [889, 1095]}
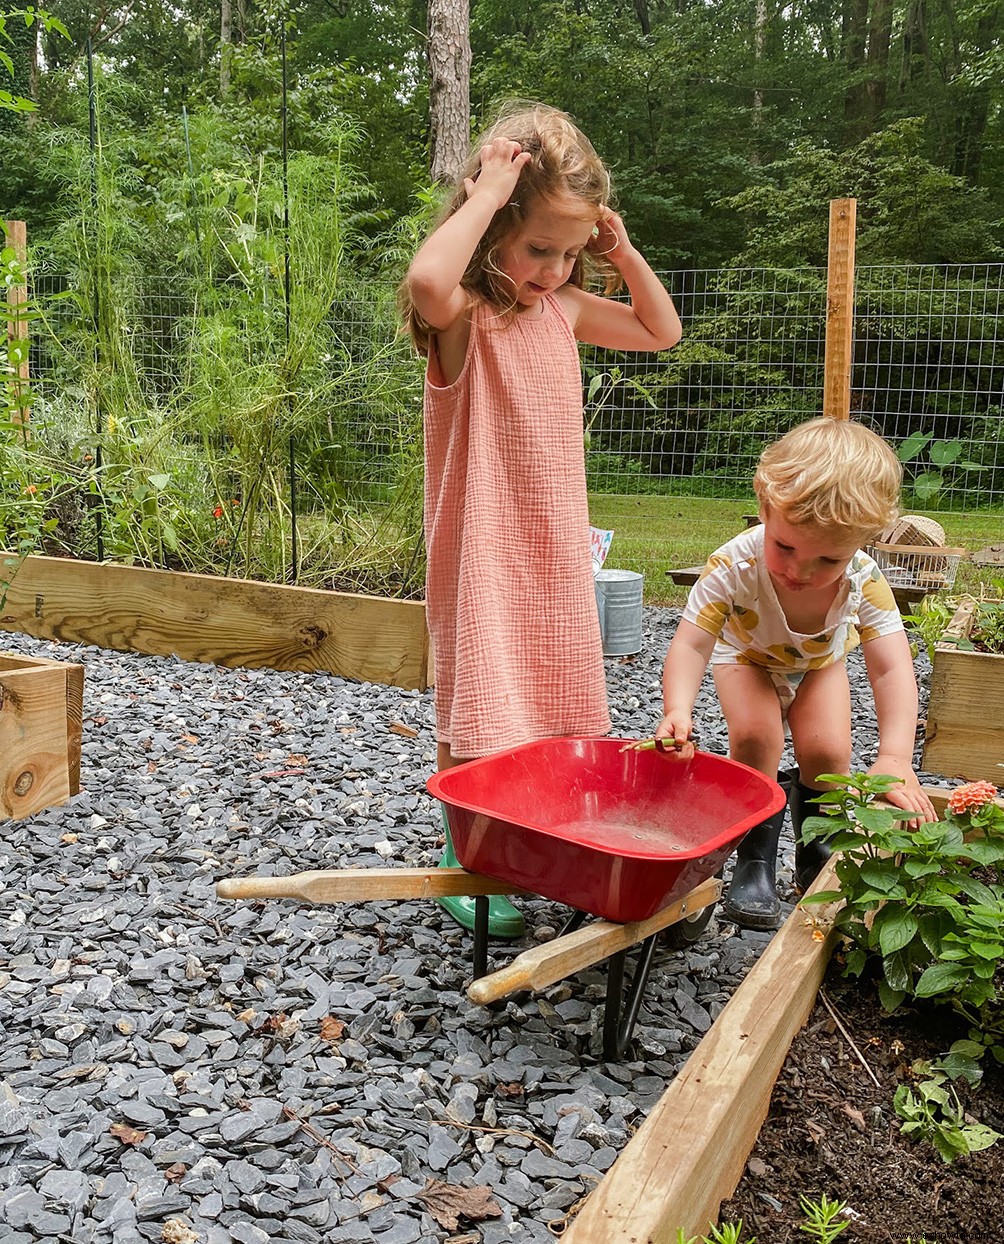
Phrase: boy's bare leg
{"type": "Point", "coordinates": [756, 738]}
{"type": "Point", "coordinates": [820, 721]}
{"type": "Point", "coordinates": [752, 713]}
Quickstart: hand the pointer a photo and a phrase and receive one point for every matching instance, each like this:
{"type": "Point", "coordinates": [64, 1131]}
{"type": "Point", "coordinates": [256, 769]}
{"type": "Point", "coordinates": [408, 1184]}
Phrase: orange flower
{"type": "Point", "coordinates": [30, 489]}
{"type": "Point", "coordinates": [972, 795]}
{"type": "Point", "coordinates": [218, 512]}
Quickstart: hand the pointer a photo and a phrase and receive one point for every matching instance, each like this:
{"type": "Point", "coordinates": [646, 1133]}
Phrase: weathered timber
{"type": "Point", "coordinates": [839, 348]}
{"type": "Point", "coordinates": [40, 730]}
{"type": "Point", "coordinates": [964, 736]}
{"type": "Point", "coordinates": [233, 622]}
{"type": "Point", "coordinates": [688, 1155]}
{"type": "Point", "coordinates": [356, 885]}
{"type": "Point", "coordinates": [544, 965]}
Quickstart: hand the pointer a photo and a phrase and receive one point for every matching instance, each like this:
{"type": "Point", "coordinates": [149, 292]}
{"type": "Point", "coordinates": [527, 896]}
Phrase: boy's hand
{"type": "Point", "coordinates": [502, 161]}
{"type": "Point", "coordinates": [672, 735]}
{"type": "Point", "coordinates": [909, 796]}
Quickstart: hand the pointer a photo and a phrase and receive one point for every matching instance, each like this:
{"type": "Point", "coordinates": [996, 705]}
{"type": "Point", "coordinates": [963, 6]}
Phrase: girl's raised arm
{"type": "Point", "coordinates": [648, 322]}
{"type": "Point", "coordinates": [437, 269]}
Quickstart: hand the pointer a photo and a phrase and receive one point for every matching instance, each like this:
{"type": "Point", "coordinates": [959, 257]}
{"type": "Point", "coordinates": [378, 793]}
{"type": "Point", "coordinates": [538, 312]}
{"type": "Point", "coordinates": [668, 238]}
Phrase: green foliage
{"type": "Point", "coordinates": [928, 906]}
{"type": "Point", "coordinates": [28, 17]}
{"type": "Point", "coordinates": [931, 1111]}
{"type": "Point", "coordinates": [909, 210]}
{"type": "Point", "coordinates": [945, 466]}
{"type": "Point", "coordinates": [824, 1219]}
{"type": "Point", "coordinates": [935, 613]}
{"type": "Point", "coordinates": [189, 466]}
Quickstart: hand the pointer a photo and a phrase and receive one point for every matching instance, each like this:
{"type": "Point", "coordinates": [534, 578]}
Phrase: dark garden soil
{"type": "Point", "coordinates": [830, 1130]}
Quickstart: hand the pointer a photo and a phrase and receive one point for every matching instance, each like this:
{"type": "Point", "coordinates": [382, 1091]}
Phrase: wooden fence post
{"type": "Point", "coordinates": [839, 354]}
{"type": "Point", "coordinates": [17, 302]}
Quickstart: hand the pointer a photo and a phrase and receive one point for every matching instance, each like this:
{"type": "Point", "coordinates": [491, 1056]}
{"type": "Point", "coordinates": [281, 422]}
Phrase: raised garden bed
{"type": "Point", "coordinates": [963, 732]}
{"type": "Point", "coordinates": [831, 1129]}
{"type": "Point", "coordinates": [234, 622]}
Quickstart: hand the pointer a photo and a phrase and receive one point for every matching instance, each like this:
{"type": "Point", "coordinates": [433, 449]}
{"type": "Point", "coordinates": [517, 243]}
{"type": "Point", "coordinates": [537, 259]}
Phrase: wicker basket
{"type": "Point", "coordinates": [914, 529]}
{"type": "Point", "coordinates": [917, 565]}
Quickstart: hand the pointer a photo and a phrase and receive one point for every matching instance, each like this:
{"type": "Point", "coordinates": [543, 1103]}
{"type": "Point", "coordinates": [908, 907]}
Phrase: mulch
{"type": "Point", "coordinates": [831, 1131]}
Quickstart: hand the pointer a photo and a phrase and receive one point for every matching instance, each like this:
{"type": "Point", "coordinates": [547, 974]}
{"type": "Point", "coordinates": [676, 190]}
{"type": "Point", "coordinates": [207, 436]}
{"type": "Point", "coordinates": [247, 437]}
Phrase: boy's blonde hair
{"type": "Point", "coordinates": [564, 169]}
{"type": "Point", "coordinates": [831, 473]}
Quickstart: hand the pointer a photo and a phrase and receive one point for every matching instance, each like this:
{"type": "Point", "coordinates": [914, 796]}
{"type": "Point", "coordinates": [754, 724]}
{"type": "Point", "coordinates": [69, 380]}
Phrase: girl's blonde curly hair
{"type": "Point", "coordinates": [833, 474]}
{"type": "Point", "coordinates": [564, 169]}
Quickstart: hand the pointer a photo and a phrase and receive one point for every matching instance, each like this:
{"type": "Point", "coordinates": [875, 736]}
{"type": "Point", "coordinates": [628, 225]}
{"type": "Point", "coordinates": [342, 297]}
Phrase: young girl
{"type": "Point", "coordinates": [776, 611]}
{"type": "Point", "coordinates": [495, 299]}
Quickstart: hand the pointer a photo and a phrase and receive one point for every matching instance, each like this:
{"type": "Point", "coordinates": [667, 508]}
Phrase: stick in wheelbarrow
{"type": "Point", "coordinates": [355, 885]}
{"type": "Point", "coordinates": [543, 965]}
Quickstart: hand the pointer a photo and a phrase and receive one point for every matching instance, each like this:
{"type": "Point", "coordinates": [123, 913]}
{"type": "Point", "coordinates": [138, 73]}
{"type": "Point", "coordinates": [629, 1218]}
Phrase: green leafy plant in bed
{"type": "Point", "coordinates": [928, 906]}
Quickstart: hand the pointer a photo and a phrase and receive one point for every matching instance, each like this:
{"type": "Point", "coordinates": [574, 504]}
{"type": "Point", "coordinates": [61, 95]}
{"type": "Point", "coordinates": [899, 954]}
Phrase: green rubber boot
{"type": "Point", "coordinates": [503, 919]}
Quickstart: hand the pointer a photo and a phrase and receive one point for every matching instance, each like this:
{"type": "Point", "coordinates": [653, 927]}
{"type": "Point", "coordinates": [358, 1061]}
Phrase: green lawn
{"type": "Point", "coordinates": [657, 534]}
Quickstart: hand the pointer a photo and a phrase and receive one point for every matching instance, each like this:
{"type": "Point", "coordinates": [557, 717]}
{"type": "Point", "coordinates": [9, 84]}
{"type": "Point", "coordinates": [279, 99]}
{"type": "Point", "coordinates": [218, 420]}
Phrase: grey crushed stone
{"type": "Point", "coordinates": [131, 997]}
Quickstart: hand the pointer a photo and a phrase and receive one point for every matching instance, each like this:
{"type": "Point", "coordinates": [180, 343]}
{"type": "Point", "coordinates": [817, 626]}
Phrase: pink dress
{"type": "Point", "coordinates": [509, 595]}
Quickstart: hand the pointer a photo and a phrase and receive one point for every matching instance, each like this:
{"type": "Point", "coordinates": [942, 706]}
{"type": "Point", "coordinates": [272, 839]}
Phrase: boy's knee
{"type": "Point", "coordinates": [756, 744]}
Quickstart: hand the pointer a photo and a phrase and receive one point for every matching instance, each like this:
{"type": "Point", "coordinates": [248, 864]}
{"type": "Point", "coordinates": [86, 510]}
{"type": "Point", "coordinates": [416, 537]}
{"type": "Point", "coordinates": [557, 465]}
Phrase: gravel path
{"type": "Point", "coordinates": [178, 1068]}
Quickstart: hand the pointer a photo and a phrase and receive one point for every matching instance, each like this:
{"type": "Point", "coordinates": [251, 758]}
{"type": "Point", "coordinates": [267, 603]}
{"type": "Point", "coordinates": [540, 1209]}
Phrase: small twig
{"type": "Point", "coordinates": [848, 1038]}
{"type": "Point", "coordinates": [558, 1226]}
{"type": "Point", "coordinates": [320, 1138]}
{"type": "Point", "coordinates": [495, 1131]}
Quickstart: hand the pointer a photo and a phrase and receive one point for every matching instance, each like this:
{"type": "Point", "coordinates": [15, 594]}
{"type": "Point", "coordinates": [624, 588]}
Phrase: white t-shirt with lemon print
{"type": "Point", "coordinates": [734, 600]}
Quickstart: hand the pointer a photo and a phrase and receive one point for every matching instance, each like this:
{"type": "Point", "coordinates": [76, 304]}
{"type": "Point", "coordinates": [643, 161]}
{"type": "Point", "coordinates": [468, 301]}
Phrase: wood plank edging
{"type": "Point", "coordinates": [689, 1154]}
{"type": "Point", "coordinates": [231, 622]}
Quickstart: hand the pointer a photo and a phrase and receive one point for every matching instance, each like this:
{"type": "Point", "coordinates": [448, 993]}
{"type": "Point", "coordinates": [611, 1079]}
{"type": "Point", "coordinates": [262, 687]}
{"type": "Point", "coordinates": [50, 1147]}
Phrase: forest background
{"type": "Point", "coordinates": [217, 379]}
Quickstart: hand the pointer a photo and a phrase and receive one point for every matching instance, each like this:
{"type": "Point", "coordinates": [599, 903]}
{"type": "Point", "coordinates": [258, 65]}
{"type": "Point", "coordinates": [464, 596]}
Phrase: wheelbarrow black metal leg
{"type": "Point", "coordinates": [574, 921]}
{"type": "Point", "coordinates": [618, 1021]}
{"type": "Point", "coordinates": [480, 936]}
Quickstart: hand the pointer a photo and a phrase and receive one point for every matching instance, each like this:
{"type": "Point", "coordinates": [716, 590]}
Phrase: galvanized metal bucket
{"type": "Point", "coordinates": [619, 601]}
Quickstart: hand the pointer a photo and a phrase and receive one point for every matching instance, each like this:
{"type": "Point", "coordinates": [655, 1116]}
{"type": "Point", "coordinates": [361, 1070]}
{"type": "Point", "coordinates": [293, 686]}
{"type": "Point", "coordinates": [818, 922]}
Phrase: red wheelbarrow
{"type": "Point", "coordinates": [636, 838]}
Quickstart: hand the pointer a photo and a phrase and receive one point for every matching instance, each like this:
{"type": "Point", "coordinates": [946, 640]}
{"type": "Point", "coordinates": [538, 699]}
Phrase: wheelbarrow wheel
{"type": "Point", "coordinates": [684, 933]}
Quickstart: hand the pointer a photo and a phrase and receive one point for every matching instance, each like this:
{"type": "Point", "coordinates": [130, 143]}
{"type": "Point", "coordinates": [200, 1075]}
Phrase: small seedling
{"type": "Point", "coordinates": [821, 1218]}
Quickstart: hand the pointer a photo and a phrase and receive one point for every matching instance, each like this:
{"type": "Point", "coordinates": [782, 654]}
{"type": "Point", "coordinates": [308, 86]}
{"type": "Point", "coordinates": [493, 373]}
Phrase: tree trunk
{"type": "Point", "coordinates": [226, 47]}
{"type": "Point", "coordinates": [855, 42]}
{"type": "Point", "coordinates": [449, 86]}
{"type": "Point", "coordinates": [19, 47]}
{"type": "Point", "coordinates": [879, 39]}
{"type": "Point", "coordinates": [973, 110]}
{"type": "Point", "coordinates": [759, 32]}
{"type": "Point", "coordinates": [914, 43]}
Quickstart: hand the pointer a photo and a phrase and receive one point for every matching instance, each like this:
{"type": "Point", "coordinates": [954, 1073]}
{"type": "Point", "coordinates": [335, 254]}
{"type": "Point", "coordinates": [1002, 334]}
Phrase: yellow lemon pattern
{"type": "Point", "coordinates": [734, 600]}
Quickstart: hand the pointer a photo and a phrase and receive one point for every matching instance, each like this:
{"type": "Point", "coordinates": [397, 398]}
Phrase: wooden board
{"type": "Point", "coordinates": [964, 734]}
{"type": "Point", "coordinates": [233, 622]}
{"type": "Point", "coordinates": [35, 737]}
{"type": "Point", "coordinates": [688, 1155]}
{"type": "Point", "coordinates": [74, 709]}
{"type": "Point", "coordinates": [839, 348]}
{"type": "Point", "coordinates": [357, 885]}
{"type": "Point", "coordinates": [543, 965]}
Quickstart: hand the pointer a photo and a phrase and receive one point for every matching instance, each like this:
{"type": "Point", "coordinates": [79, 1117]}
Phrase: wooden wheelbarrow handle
{"type": "Point", "coordinates": [543, 965]}
{"type": "Point", "coordinates": [354, 885]}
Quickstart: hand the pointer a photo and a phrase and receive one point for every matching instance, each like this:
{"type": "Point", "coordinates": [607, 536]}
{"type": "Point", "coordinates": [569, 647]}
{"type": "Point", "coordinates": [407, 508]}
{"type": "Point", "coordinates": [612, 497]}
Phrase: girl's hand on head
{"type": "Point", "coordinates": [502, 161]}
{"type": "Point", "coordinates": [610, 239]}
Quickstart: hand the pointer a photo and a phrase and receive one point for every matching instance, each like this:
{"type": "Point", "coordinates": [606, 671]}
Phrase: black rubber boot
{"type": "Point", "coordinates": [809, 857]}
{"type": "Point", "coordinates": [752, 900]}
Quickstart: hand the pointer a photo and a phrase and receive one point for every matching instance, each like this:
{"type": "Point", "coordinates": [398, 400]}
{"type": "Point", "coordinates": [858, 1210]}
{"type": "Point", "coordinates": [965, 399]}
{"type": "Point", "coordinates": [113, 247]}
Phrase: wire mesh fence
{"type": "Point", "coordinates": [928, 374]}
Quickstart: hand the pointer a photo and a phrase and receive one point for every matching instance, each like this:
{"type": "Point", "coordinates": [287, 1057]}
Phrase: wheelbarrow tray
{"type": "Point", "coordinates": [619, 834]}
